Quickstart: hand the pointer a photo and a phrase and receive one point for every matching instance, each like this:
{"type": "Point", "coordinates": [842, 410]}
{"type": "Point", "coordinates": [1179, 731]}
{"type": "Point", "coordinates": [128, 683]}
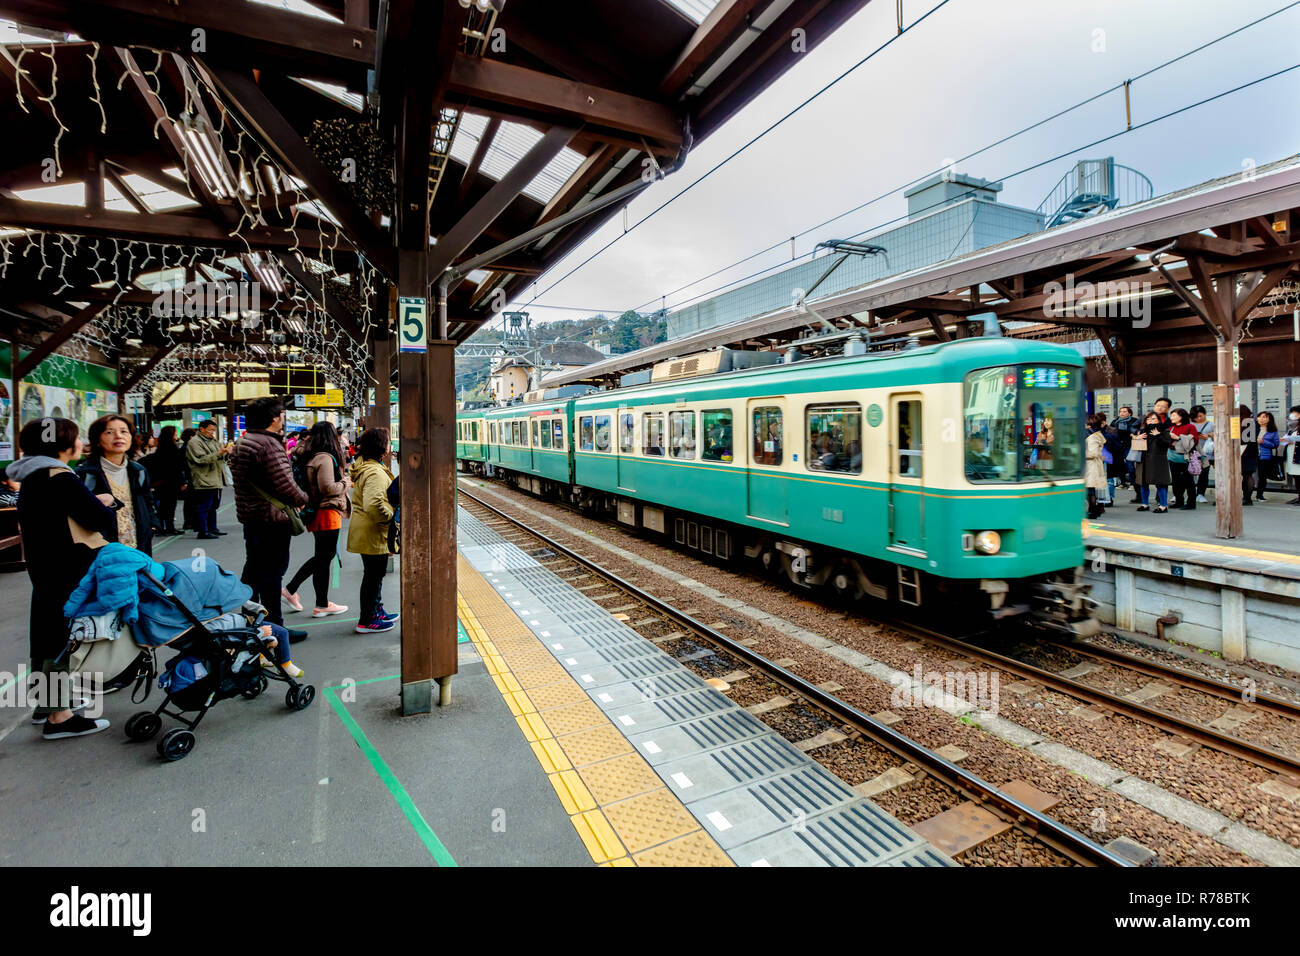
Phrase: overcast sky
{"type": "Point", "coordinates": [971, 73]}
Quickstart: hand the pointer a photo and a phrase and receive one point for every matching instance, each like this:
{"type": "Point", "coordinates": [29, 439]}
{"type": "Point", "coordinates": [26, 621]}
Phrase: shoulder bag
{"type": "Point", "coordinates": [296, 527]}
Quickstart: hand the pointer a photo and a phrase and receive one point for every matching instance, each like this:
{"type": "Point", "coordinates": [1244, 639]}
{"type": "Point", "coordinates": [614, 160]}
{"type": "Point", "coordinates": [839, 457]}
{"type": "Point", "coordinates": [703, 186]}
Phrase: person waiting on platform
{"type": "Point", "coordinates": [1204, 448]}
{"type": "Point", "coordinates": [166, 467]}
{"type": "Point", "coordinates": [108, 469]}
{"type": "Point", "coordinates": [368, 529]}
{"type": "Point", "coordinates": [1152, 445]}
{"type": "Point", "coordinates": [320, 462]}
{"type": "Point", "coordinates": [264, 490]}
{"type": "Point", "coordinates": [1126, 426]}
{"type": "Point", "coordinates": [1249, 454]}
{"type": "Point", "coordinates": [1289, 448]}
{"type": "Point", "coordinates": [1095, 470]}
{"type": "Point", "coordinates": [207, 460]}
{"type": "Point", "coordinates": [62, 524]}
{"type": "Point", "coordinates": [1269, 459]}
{"type": "Point", "coordinates": [1184, 436]}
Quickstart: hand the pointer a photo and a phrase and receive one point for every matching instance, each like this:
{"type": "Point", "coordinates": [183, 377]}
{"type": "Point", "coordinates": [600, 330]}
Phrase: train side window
{"type": "Point", "coordinates": [626, 438]}
{"type": "Point", "coordinates": [908, 438]}
{"type": "Point", "coordinates": [717, 434]}
{"type": "Point", "coordinates": [533, 427]}
{"type": "Point", "coordinates": [652, 434]}
{"type": "Point", "coordinates": [559, 434]}
{"type": "Point", "coordinates": [834, 438]}
{"type": "Point", "coordinates": [769, 447]}
{"type": "Point", "coordinates": [515, 432]}
{"type": "Point", "coordinates": [585, 437]}
{"type": "Point", "coordinates": [546, 433]}
{"type": "Point", "coordinates": [681, 432]}
{"type": "Point", "coordinates": [602, 433]}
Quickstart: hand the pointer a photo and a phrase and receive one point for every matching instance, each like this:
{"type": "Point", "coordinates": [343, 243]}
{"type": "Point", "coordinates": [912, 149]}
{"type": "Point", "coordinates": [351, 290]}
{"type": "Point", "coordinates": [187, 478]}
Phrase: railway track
{"type": "Point", "coordinates": [1261, 755]}
{"type": "Point", "coordinates": [1042, 828]}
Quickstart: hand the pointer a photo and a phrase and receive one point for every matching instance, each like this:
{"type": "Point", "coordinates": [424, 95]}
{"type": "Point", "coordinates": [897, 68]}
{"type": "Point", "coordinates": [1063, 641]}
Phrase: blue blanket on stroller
{"type": "Point", "coordinates": [202, 585]}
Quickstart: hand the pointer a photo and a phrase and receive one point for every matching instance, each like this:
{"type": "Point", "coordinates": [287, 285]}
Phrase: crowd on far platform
{"type": "Point", "coordinates": [1176, 448]}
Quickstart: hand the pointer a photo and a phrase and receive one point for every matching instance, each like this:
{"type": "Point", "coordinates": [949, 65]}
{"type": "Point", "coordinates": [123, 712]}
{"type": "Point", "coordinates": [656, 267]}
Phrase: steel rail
{"type": "Point", "coordinates": [1053, 833]}
{"type": "Point", "coordinates": [1189, 679]}
{"type": "Point", "coordinates": [1258, 754]}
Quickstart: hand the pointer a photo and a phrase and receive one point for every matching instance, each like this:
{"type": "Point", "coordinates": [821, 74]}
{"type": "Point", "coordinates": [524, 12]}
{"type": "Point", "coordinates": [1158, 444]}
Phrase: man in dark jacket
{"type": "Point", "coordinates": [261, 469]}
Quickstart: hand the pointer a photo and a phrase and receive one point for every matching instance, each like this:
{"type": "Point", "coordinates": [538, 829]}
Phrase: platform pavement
{"type": "Point", "coordinates": [1270, 528]}
{"type": "Point", "coordinates": [340, 784]}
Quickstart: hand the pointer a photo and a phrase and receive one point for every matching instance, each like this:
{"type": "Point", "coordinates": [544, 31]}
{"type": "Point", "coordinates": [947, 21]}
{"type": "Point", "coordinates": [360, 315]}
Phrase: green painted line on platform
{"type": "Point", "coordinates": [320, 622]}
{"type": "Point", "coordinates": [180, 537]}
{"type": "Point", "coordinates": [461, 636]}
{"type": "Point", "coordinates": [334, 573]}
{"type": "Point", "coordinates": [22, 672]}
{"type": "Point", "coordinates": [403, 799]}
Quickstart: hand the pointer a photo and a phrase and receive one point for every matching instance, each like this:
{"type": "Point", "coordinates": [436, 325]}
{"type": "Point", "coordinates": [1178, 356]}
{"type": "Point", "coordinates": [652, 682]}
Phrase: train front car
{"type": "Point", "coordinates": [1011, 513]}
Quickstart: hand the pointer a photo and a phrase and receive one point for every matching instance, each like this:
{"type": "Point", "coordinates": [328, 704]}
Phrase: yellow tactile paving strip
{"type": "Point", "coordinates": [620, 808]}
{"type": "Point", "coordinates": [1101, 529]}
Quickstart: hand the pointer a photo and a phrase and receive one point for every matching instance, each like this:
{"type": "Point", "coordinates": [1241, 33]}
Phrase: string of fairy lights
{"type": "Point", "coordinates": [296, 328]}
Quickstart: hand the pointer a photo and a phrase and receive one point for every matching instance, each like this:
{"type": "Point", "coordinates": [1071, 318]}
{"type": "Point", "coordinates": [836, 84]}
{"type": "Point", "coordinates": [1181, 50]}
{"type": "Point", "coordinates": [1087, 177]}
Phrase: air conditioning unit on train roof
{"type": "Point", "coordinates": [711, 363]}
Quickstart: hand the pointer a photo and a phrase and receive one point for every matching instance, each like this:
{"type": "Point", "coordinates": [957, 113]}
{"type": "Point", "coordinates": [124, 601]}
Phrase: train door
{"type": "Point", "coordinates": [906, 475]}
{"type": "Point", "coordinates": [534, 443]}
{"type": "Point", "coordinates": [626, 449]}
{"type": "Point", "coordinates": [766, 486]}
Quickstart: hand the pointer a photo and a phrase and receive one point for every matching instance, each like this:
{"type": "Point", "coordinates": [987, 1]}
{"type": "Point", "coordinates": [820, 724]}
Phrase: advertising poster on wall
{"type": "Point", "coordinates": [59, 387]}
{"type": "Point", "coordinates": [6, 420]}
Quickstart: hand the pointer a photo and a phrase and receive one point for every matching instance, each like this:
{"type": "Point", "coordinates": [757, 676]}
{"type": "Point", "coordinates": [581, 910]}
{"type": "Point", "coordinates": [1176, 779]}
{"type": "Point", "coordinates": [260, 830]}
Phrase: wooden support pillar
{"type": "Point", "coordinates": [230, 406]}
{"type": "Point", "coordinates": [427, 468]}
{"type": "Point", "coordinates": [382, 413]}
{"type": "Point", "coordinates": [1227, 440]}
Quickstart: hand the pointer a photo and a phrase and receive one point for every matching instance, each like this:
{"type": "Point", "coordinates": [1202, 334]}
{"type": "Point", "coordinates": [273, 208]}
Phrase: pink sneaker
{"type": "Point", "coordinates": [291, 599]}
{"type": "Point", "coordinates": [329, 609]}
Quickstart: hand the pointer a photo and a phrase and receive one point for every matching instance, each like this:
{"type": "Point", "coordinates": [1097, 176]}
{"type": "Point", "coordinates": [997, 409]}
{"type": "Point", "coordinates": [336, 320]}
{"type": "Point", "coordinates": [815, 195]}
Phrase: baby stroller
{"type": "Point", "coordinates": [210, 666]}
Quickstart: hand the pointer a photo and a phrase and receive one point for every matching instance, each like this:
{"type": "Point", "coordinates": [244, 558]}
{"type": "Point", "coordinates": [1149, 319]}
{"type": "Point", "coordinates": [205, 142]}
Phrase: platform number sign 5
{"type": "Point", "coordinates": [412, 324]}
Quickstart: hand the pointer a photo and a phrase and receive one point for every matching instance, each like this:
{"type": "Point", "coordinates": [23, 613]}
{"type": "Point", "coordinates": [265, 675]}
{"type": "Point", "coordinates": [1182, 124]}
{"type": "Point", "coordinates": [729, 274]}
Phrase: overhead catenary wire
{"type": "Point", "coordinates": [1010, 136]}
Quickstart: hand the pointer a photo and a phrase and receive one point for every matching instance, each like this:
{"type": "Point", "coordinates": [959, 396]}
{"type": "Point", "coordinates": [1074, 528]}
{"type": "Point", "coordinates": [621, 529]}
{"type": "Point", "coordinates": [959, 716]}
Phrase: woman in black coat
{"type": "Point", "coordinates": [108, 469]}
{"type": "Point", "coordinates": [166, 467]}
{"type": "Point", "coordinates": [1153, 468]}
{"type": "Point", "coordinates": [1249, 454]}
{"type": "Point", "coordinates": [62, 522]}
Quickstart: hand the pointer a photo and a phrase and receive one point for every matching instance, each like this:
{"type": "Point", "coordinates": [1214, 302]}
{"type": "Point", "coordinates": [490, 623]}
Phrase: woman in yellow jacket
{"type": "Point", "coordinates": [368, 529]}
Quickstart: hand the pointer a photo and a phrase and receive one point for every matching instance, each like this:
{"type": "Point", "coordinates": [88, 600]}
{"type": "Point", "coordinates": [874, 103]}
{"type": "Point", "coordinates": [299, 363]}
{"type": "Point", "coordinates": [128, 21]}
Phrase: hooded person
{"type": "Point", "coordinates": [63, 524]}
{"type": "Point", "coordinates": [368, 530]}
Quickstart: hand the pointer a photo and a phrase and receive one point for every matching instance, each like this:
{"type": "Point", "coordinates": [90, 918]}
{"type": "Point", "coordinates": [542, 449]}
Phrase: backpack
{"type": "Point", "coordinates": [299, 464]}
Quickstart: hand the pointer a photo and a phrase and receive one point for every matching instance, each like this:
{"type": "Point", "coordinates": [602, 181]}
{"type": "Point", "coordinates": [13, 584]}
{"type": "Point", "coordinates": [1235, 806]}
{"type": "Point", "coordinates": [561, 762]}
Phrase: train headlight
{"type": "Point", "coordinates": [988, 542]}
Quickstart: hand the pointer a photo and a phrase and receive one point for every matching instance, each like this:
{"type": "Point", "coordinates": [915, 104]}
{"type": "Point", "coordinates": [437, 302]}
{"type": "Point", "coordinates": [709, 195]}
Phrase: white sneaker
{"type": "Point", "coordinates": [1202, 500]}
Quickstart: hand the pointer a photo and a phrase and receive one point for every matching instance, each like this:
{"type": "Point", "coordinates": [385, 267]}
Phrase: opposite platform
{"type": "Point", "coordinates": [653, 765]}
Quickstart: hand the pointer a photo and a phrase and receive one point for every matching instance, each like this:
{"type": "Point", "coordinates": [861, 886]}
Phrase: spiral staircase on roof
{"type": "Point", "coordinates": [1094, 186]}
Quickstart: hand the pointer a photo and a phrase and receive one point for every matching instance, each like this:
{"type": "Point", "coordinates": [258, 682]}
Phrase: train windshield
{"type": "Point", "coordinates": [1023, 423]}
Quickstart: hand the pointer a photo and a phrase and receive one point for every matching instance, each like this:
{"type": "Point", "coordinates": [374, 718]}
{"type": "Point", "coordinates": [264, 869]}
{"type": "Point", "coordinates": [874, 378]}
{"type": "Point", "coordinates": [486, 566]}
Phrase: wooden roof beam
{"type": "Point", "coordinates": [234, 31]}
{"type": "Point", "coordinates": [74, 324]}
{"type": "Point", "coordinates": [544, 94]}
{"type": "Point", "coordinates": [726, 21]}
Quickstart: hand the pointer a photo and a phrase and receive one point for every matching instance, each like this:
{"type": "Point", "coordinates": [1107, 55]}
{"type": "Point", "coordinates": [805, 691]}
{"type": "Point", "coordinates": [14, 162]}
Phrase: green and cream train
{"type": "Point", "coordinates": [949, 476]}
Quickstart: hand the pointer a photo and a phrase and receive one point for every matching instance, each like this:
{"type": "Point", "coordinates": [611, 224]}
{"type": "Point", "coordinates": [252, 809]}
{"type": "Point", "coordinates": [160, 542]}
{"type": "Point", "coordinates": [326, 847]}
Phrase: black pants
{"type": "Point", "coordinates": [374, 567]}
{"type": "Point", "coordinates": [166, 508]}
{"type": "Point", "coordinates": [1184, 489]}
{"type": "Point", "coordinates": [266, 558]}
{"type": "Point", "coordinates": [189, 509]}
{"type": "Point", "coordinates": [205, 510]}
{"type": "Point", "coordinates": [317, 567]}
{"type": "Point", "coordinates": [1203, 479]}
{"type": "Point", "coordinates": [1247, 486]}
